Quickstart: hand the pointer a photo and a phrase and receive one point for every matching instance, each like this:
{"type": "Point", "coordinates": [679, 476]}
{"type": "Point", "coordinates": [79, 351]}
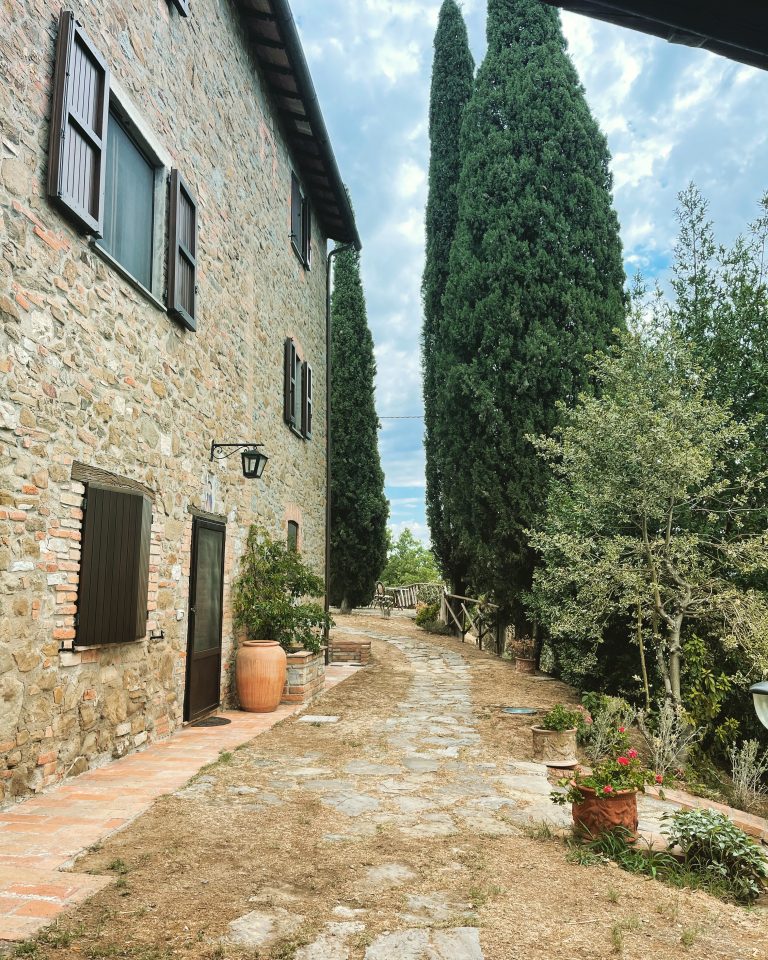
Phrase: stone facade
{"type": "Point", "coordinates": [93, 374]}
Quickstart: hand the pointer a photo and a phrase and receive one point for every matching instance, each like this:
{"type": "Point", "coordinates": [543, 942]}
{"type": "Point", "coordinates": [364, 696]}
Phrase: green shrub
{"type": "Point", "coordinates": [428, 613]}
{"type": "Point", "coordinates": [561, 717]}
{"type": "Point", "coordinates": [269, 594]}
{"type": "Point", "coordinates": [718, 851]}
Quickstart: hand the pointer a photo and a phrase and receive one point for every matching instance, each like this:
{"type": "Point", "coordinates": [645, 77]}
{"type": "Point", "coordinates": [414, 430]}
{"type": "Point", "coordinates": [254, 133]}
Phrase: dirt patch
{"type": "Point", "coordinates": [256, 832]}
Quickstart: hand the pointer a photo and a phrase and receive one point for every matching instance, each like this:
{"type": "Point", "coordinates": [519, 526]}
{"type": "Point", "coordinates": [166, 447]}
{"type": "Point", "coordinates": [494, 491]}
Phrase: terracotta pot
{"type": "Point", "coordinates": [554, 745]}
{"type": "Point", "coordinates": [260, 675]}
{"type": "Point", "coordinates": [525, 665]}
{"type": "Point", "coordinates": [599, 813]}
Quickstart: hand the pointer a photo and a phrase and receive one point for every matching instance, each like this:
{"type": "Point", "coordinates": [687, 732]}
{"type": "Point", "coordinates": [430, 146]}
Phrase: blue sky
{"type": "Point", "coordinates": [671, 115]}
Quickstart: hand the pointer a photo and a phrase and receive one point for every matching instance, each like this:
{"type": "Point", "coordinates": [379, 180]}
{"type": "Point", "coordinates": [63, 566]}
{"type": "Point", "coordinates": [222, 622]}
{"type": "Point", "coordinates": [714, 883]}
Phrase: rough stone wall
{"type": "Point", "coordinates": [305, 676]}
{"type": "Point", "coordinates": [92, 372]}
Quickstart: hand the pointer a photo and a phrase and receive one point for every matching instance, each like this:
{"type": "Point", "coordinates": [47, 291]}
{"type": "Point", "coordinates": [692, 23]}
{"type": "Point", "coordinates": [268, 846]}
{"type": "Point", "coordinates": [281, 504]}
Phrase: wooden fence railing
{"type": "Point", "coordinates": [478, 619]}
{"type": "Point", "coordinates": [406, 597]}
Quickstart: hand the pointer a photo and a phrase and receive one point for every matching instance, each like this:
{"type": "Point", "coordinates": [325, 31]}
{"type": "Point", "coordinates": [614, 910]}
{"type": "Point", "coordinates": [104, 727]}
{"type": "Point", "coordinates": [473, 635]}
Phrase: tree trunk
{"type": "Point", "coordinates": [675, 651]}
{"type": "Point", "coordinates": [345, 605]}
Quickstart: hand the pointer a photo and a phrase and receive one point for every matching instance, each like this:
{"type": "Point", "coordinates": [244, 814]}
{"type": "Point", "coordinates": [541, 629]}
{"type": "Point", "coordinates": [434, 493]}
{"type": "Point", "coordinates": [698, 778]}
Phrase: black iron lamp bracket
{"type": "Point", "coordinates": [217, 449]}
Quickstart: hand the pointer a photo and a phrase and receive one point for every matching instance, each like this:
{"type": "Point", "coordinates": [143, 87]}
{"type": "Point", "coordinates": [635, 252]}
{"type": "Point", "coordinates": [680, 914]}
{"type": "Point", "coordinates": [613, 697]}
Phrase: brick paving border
{"type": "Point", "coordinates": [41, 837]}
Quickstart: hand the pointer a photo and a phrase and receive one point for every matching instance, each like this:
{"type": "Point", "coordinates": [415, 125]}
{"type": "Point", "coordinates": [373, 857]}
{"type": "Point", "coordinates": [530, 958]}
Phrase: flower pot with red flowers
{"type": "Point", "coordinates": [605, 799]}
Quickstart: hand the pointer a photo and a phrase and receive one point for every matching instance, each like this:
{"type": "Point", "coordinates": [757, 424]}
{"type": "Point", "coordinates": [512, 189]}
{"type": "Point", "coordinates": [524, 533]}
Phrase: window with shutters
{"type": "Point", "coordinates": [114, 567]}
{"type": "Point", "coordinates": [301, 223]}
{"type": "Point", "coordinates": [112, 177]}
{"type": "Point", "coordinates": [297, 392]}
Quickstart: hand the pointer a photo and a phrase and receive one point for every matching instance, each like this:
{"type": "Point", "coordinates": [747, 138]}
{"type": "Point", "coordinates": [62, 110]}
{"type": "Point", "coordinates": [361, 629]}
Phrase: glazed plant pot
{"type": "Point", "coordinates": [554, 746]}
{"type": "Point", "coordinates": [525, 665]}
{"type": "Point", "coordinates": [260, 668]}
{"type": "Point", "coordinates": [602, 813]}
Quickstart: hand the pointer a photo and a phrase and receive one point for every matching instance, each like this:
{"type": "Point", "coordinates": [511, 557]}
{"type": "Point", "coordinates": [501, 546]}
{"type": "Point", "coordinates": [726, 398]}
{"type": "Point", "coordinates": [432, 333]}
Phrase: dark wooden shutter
{"type": "Point", "coordinates": [79, 115]}
{"type": "Point", "coordinates": [307, 238]}
{"type": "Point", "coordinates": [114, 567]}
{"type": "Point", "coordinates": [296, 215]}
{"type": "Point", "coordinates": [182, 6]}
{"type": "Point", "coordinates": [289, 398]}
{"type": "Point", "coordinates": [182, 253]}
{"type": "Point", "coordinates": [306, 402]}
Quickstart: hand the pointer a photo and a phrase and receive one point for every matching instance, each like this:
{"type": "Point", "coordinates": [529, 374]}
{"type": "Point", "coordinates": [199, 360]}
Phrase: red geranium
{"type": "Point", "coordinates": [607, 788]}
{"type": "Point", "coordinates": [632, 754]}
{"type": "Point", "coordinates": [623, 761]}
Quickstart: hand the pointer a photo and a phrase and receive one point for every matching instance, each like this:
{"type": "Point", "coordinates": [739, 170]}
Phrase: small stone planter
{"type": "Point", "coordinates": [305, 676]}
{"type": "Point", "coordinates": [525, 665]}
{"type": "Point", "coordinates": [601, 813]}
{"type": "Point", "coordinates": [554, 746]}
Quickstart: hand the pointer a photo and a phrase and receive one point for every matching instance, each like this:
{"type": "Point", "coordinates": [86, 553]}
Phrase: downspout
{"type": "Point", "coordinates": [328, 263]}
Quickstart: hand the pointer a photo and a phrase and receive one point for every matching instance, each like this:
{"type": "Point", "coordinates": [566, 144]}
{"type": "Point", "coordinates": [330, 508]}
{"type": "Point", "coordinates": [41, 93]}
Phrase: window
{"type": "Point", "coordinates": [298, 404]}
{"type": "Point", "coordinates": [129, 207]}
{"type": "Point", "coordinates": [111, 177]}
{"type": "Point", "coordinates": [114, 568]}
{"type": "Point", "coordinates": [293, 536]}
{"type": "Point", "coordinates": [301, 223]}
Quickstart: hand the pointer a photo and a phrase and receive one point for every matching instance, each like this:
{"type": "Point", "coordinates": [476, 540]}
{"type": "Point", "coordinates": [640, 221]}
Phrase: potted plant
{"type": "Point", "coordinates": [524, 652]}
{"type": "Point", "coordinates": [605, 798]}
{"type": "Point", "coordinates": [269, 604]}
{"type": "Point", "coordinates": [554, 737]}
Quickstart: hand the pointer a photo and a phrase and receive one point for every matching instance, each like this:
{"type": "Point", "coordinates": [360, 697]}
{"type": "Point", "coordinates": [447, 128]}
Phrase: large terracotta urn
{"type": "Point", "coordinates": [260, 675]}
{"type": "Point", "coordinates": [602, 813]}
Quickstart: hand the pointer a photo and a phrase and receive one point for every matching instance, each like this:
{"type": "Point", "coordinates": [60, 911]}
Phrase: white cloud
{"type": "Point", "coordinates": [419, 530]}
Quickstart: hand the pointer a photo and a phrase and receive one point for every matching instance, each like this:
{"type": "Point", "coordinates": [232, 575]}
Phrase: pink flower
{"type": "Point", "coordinates": [659, 778]}
{"type": "Point", "coordinates": [607, 788]}
{"type": "Point", "coordinates": [632, 754]}
{"type": "Point", "coordinates": [623, 761]}
{"type": "Point", "coordinates": [622, 729]}
{"type": "Point", "coordinates": [587, 719]}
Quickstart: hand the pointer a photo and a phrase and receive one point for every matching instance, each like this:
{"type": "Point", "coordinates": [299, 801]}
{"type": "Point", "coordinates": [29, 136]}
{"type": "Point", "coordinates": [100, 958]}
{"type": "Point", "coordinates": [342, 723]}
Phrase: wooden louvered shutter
{"type": "Point", "coordinates": [182, 6]}
{"type": "Point", "coordinates": [307, 238]}
{"type": "Point", "coordinates": [296, 215]}
{"type": "Point", "coordinates": [114, 568]}
{"type": "Point", "coordinates": [182, 253]}
{"type": "Point", "coordinates": [79, 116]}
{"type": "Point", "coordinates": [306, 402]}
{"type": "Point", "coordinates": [289, 405]}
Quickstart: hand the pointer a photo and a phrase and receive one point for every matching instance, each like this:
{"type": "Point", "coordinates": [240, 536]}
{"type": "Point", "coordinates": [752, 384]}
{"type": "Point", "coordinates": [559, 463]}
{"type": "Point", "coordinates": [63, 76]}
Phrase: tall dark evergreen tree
{"type": "Point", "coordinates": [359, 509]}
{"type": "Point", "coordinates": [535, 285]}
{"type": "Point", "coordinates": [452, 73]}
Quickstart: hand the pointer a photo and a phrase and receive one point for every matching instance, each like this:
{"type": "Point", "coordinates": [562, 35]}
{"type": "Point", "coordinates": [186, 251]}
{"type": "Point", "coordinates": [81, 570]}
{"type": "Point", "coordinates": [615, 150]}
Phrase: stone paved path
{"type": "Point", "coordinates": [40, 837]}
{"type": "Point", "coordinates": [388, 824]}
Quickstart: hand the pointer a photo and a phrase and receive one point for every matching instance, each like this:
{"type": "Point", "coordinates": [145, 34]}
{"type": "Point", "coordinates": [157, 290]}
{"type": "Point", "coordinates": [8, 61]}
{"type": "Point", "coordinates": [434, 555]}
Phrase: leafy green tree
{"type": "Point", "coordinates": [720, 305]}
{"type": "Point", "coordinates": [636, 510]}
{"type": "Point", "coordinates": [452, 74]}
{"type": "Point", "coordinates": [270, 594]}
{"type": "Point", "coordinates": [535, 285]}
{"type": "Point", "coordinates": [359, 509]}
{"type": "Point", "coordinates": [409, 561]}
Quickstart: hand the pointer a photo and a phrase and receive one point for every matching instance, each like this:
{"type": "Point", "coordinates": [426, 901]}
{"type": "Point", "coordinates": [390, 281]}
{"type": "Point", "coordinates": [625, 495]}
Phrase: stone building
{"type": "Point", "coordinates": [167, 191]}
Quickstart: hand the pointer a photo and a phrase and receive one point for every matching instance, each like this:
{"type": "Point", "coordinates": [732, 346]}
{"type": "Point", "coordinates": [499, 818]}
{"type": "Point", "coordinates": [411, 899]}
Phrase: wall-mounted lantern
{"type": "Point", "coordinates": [253, 459]}
{"type": "Point", "coordinates": [759, 693]}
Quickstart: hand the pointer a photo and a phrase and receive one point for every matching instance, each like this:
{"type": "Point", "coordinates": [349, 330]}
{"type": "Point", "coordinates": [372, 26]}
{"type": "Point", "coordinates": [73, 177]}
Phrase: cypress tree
{"type": "Point", "coordinates": [535, 285]}
{"type": "Point", "coordinates": [359, 509]}
{"type": "Point", "coordinates": [452, 73]}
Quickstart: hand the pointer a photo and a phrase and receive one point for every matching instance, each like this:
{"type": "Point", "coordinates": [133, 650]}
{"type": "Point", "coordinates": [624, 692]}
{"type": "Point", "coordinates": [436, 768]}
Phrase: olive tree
{"type": "Point", "coordinates": [643, 517]}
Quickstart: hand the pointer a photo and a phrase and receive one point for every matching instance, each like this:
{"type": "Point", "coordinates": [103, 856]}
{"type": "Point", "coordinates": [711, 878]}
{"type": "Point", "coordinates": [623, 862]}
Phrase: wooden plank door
{"type": "Point", "coordinates": [206, 587]}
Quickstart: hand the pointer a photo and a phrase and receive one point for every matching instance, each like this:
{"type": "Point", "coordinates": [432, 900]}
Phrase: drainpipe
{"type": "Point", "coordinates": [329, 261]}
